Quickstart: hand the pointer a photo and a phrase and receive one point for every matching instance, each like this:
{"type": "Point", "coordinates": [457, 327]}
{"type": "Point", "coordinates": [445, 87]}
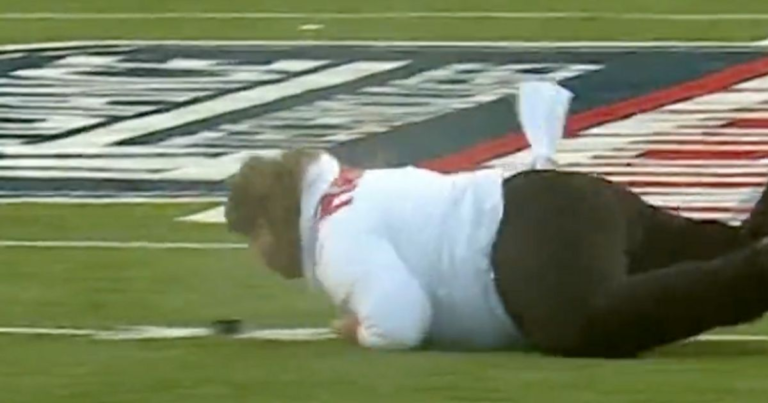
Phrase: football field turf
{"type": "Point", "coordinates": [600, 24]}
{"type": "Point", "coordinates": [88, 287]}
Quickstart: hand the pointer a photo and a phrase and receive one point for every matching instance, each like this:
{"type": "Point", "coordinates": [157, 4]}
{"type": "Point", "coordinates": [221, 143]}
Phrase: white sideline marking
{"type": "Point", "coordinates": [573, 45]}
{"type": "Point", "coordinates": [570, 15]}
{"type": "Point", "coordinates": [172, 333]}
{"type": "Point", "coordinates": [117, 245]}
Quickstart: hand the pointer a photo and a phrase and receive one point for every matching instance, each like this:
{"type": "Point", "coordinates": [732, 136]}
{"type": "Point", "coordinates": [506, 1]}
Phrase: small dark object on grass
{"type": "Point", "coordinates": [228, 327]}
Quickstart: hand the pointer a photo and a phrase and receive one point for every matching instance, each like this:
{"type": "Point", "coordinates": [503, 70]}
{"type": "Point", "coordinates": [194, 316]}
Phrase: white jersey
{"type": "Point", "coordinates": [408, 252]}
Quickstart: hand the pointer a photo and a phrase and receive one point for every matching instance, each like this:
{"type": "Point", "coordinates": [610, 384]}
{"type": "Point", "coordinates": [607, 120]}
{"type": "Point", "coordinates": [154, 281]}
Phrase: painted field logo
{"type": "Point", "coordinates": [174, 121]}
{"type": "Point", "coordinates": [688, 128]}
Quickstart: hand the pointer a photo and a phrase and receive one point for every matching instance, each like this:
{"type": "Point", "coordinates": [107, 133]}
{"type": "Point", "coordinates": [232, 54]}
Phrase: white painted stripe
{"type": "Point", "coordinates": [78, 174]}
{"type": "Point", "coordinates": [699, 180]}
{"type": "Point", "coordinates": [720, 163]}
{"type": "Point", "coordinates": [211, 216]}
{"type": "Point", "coordinates": [289, 334]}
{"type": "Point", "coordinates": [129, 164]}
{"type": "Point", "coordinates": [136, 333]}
{"type": "Point", "coordinates": [732, 205]}
{"type": "Point", "coordinates": [152, 333]}
{"type": "Point", "coordinates": [698, 190]}
{"type": "Point", "coordinates": [731, 218]}
{"type": "Point", "coordinates": [731, 337]}
{"type": "Point", "coordinates": [166, 333]}
{"type": "Point", "coordinates": [34, 331]}
{"type": "Point", "coordinates": [683, 133]}
{"type": "Point", "coordinates": [227, 103]}
{"type": "Point", "coordinates": [741, 198]}
{"type": "Point", "coordinates": [715, 135]}
{"type": "Point", "coordinates": [650, 169]}
{"type": "Point", "coordinates": [118, 245]}
{"type": "Point", "coordinates": [478, 45]}
{"type": "Point", "coordinates": [138, 151]}
{"type": "Point", "coordinates": [190, 140]}
{"type": "Point", "coordinates": [569, 15]}
{"type": "Point", "coordinates": [589, 144]}
{"type": "Point", "coordinates": [109, 200]}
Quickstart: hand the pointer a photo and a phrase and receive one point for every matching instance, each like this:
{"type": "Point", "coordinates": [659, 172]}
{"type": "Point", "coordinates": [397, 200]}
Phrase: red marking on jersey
{"type": "Point", "coordinates": [339, 195]}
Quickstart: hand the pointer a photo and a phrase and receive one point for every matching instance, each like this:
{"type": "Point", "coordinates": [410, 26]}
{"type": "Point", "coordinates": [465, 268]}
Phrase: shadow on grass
{"type": "Point", "coordinates": [700, 348]}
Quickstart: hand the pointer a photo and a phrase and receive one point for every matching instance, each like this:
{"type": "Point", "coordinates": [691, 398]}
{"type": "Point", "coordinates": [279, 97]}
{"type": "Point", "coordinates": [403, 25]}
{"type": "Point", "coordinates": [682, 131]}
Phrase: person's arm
{"type": "Point", "coordinates": [389, 308]}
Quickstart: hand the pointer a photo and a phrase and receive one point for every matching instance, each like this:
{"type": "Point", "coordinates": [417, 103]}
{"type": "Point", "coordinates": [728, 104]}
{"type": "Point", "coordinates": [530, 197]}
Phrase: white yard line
{"type": "Point", "coordinates": [569, 15]}
{"type": "Point", "coordinates": [118, 245]}
{"type": "Point", "coordinates": [128, 333]}
{"type": "Point", "coordinates": [35, 331]}
{"type": "Point", "coordinates": [171, 333]}
{"type": "Point", "coordinates": [731, 337]}
{"type": "Point", "coordinates": [210, 216]}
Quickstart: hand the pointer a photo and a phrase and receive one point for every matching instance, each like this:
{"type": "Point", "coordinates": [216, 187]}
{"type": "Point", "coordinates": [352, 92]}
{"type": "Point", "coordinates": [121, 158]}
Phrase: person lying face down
{"type": "Point", "coordinates": [565, 263]}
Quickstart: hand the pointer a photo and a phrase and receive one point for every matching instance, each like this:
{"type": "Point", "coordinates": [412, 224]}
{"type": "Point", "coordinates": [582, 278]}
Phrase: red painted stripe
{"type": "Point", "coordinates": [688, 111]}
{"type": "Point", "coordinates": [638, 185]}
{"type": "Point", "coordinates": [735, 192]}
{"type": "Point", "coordinates": [710, 132]}
{"type": "Point", "coordinates": [483, 152]}
{"type": "Point", "coordinates": [673, 174]}
{"type": "Point", "coordinates": [706, 133]}
{"type": "Point", "coordinates": [748, 124]}
{"type": "Point", "coordinates": [669, 164]}
{"type": "Point", "coordinates": [703, 154]}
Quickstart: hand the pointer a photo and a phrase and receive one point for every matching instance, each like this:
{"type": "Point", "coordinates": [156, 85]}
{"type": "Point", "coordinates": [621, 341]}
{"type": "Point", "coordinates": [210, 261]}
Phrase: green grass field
{"type": "Point", "coordinates": [22, 31]}
{"type": "Point", "coordinates": [102, 288]}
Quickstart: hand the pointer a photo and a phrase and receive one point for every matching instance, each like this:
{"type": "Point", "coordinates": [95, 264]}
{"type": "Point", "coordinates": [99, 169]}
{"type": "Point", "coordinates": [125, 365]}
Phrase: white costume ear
{"type": "Point", "coordinates": [542, 109]}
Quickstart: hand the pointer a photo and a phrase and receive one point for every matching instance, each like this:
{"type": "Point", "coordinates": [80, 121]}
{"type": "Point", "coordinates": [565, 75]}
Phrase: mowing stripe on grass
{"type": "Point", "coordinates": [117, 245]}
{"type": "Point", "coordinates": [569, 15]}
